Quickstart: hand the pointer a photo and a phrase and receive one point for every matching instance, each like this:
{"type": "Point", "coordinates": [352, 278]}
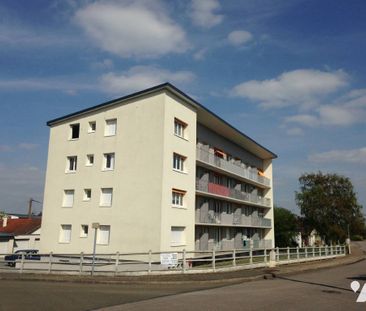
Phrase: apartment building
{"type": "Point", "coordinates": [156, 170]}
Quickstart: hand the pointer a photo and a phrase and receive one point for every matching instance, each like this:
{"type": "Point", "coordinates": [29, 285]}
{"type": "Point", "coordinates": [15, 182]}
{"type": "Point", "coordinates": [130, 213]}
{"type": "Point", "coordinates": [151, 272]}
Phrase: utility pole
{"type": "Point", "coordinates": [30, 206]}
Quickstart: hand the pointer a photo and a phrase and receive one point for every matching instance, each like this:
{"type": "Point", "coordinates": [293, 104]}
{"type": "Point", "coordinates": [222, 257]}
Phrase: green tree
{"type": "Point", "coordinates": [329, 204]}
{"type": "Point", "coordinates": [285, 226]}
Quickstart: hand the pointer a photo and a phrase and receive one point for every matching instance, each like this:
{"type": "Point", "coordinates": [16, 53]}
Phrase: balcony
{"type": "Point", "coordinates": [236, 195]}
{"type": "Point", "coordinates": [248, 174]}
{"type": "Point", "coordinates": [222, 219]}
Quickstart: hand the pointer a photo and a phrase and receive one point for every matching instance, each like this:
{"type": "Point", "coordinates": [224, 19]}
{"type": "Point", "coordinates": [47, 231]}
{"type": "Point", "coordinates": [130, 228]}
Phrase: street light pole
{"type": "Point", "coordinates": [95, 226]}
{"type": "Point", "coordinates": [349, 240]}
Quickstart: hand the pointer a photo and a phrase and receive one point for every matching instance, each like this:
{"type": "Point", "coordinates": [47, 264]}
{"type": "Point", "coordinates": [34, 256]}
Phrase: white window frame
{"type": "Point", "coordinates": [109, 125]}
{"type": "Point", "coordinates": [106, 239]}
{"type": "Point", "coordinates": [178, 236]}
{"type": "Point", "coordinates": [91, 125]}
{"type": "Point", "coordinates": [84, 234]}
{"type": "Point", "coordinates": [87, 194]}
{"type": "Point", "coordinates": [65, 238]}
{"type": "Point", "coordinates": [179, 162]}
{"type": "Point", "coordinates": [178, 198]}
{"type": "Point", "coordinates": [72, 131]}
{"type": "Point", "coordinates": [71, 164]}
{"type": "Point", "coordinates": [103, 195]}
{"type": "Point", "coordinates": [68, 198]}
{"type": "Point", "coordinates": [112, 161]}
{"type": "Point", "coordinates": [180, 128]}
{"type": "Point", "coordinates": [88, 160]}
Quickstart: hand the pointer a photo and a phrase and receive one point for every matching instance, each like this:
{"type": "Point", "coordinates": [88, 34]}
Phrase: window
{"type": "Point", "coordinates": [89, 159]}
{"type": "Point", "coordinates": [178, 236]}
{"type": "Point", "coordinates": [108, 163]}
{"type": "Point", "coordinates": [87, 194]}
{"type": "Point", "coordinates": [216, 179]}
{"type": "Point", "coordinates": [103, 233]}
{"type": "Point", "coordinates": [178, 162]}
{"type": "Point", "coordinates": [65, 234]}
{"type": "Point", "coordinates": [92, 127]}
{"type": "Point", "coordinates": [179, 128]}
{"type": "Point", "coordinates": [110, 127]}
{"type": "Point", "coordinates": [230, 183]}
{"type": "Point", "coordinates": [177, 197]}
{"type": "Point", "coordinates": [72, 163]}
{"type": "Point", "coordinates": [68, 200]}
{"type": "Point", "coordinates": [75, 131]}
{"type": "Point", "coordinates": [84, 230]}
{"type": "Point", "coordinates": [106, 196]}
{"type": "Point", "coordinates": [229, 208]}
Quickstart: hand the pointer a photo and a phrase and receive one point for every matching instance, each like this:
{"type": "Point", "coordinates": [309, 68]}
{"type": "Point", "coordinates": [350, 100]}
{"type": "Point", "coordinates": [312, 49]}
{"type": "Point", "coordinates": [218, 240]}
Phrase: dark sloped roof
{"type": "Point", "coordinates": [167, 87]}
{"type": "Point", "coordinates": [20, 226]}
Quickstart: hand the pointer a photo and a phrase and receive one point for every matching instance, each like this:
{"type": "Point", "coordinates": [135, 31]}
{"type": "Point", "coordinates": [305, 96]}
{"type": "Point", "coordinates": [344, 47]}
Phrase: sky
{"type": "Point", "coordinates": [289, 74]}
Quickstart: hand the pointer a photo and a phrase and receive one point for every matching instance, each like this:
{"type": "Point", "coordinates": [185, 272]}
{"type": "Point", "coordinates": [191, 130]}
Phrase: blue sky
{"type": "Point", "coordinates": [290, 74]}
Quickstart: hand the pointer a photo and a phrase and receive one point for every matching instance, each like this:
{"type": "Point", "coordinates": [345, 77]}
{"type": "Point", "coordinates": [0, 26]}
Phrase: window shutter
{"type": "Point", "coordinates": [103, 234]}
{"type": "Point", "coordinates": [68, 198]}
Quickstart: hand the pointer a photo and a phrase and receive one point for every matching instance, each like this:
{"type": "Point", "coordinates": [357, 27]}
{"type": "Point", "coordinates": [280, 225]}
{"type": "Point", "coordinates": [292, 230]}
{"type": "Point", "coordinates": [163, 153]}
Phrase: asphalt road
{"type": "Point", "coordinates": [39, 295]}
{"type": "Point", "coordinates": [326, 289]}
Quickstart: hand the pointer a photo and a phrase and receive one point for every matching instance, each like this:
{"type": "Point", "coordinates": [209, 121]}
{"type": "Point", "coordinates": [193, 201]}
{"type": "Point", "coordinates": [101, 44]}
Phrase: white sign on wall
{"type": "Point", "coordinates": [169, 259]}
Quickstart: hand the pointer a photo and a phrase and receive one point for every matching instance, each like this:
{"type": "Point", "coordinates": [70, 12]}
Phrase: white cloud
{"type": "Point", "coordinates": [132, 28]}
{"type": "Point", "coordinates": [303, 119]}
{"type": "Point", "coordinates": [295, 131]}
{"type": "Point", "coordinates": [346, 111]}
{"type": "Point", "coordinates": [46, 84]}
{"type": "Point", "coordinates": [103, 65]}
{"type": "Point", "coordinates": [199, 55]}
{"type": "Point", "coordinates": [203, 13]}
{"type": "Point", "coordinates": [239, 37]}
{"type": "Point", "coordinates": [21, 146]}
{"type": "Point", "coordinates": [349, 156]}
{"type": "Point", "coordinates": [141, 77]}
{"type": "Point", "coordinates": [27, 146]}
{"type": "Point", "coordinates": [337, 115]}
{"type": "Point", "coordinates": [301, 87]}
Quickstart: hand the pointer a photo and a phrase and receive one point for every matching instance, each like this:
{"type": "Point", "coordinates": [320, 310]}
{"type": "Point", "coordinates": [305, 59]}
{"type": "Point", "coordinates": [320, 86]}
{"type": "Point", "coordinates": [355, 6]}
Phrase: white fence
{"type": "Point", "coordinates": [165, 262]}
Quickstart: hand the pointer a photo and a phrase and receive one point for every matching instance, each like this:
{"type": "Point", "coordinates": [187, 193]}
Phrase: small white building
{"type": "Point", "coordinates": [19, 233]}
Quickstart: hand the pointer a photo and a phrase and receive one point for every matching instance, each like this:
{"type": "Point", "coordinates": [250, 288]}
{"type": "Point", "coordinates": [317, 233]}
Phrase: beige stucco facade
{"type": "Point", "coordinates": [141, 216]}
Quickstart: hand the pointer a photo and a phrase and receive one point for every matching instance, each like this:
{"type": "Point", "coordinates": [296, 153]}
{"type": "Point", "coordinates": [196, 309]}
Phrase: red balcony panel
{"type": "Point", "coordinates": [218, 189]}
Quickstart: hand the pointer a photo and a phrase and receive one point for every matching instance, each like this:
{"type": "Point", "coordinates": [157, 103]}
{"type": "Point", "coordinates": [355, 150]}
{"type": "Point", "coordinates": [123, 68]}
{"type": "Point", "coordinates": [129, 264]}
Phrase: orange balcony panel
{"type": "Point", "coordinates": [218, 189]}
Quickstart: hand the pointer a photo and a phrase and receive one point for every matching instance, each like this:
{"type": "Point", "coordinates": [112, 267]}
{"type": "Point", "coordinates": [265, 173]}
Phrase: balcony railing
{"type": "Point", "coordinates": [210, 217]}
{"type": "Point", "coordinates": [250, 174]}
{"type": "Point", "coordinates": [204, 186]}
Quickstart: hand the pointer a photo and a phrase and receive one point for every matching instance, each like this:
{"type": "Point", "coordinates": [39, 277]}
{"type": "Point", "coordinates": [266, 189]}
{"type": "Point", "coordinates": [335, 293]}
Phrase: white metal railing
{"type": "Point", "coordinates": [251, 174]}
{"type": "Point", "coordinates": [150, 262]}
{"type": "Point", "coordinates": [202, 185]}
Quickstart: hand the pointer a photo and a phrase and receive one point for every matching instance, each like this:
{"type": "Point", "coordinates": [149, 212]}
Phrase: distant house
{"type": "Point", "coordinates": [19, 233]}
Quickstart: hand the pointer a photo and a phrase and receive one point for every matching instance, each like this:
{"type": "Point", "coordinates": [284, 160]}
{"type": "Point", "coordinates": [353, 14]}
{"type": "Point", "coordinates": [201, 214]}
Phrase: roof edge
{"type": "Point", "coordinates": [164, 86]}
{"type": "Point", "coordinates": [110, 102]}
